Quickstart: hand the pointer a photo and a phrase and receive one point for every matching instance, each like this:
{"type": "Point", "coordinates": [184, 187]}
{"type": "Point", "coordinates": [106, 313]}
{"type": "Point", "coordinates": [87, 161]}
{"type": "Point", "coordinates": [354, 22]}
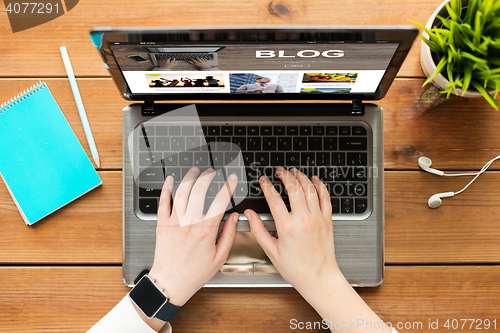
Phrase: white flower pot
{"type": "Point", "coordinates": [428, 65]}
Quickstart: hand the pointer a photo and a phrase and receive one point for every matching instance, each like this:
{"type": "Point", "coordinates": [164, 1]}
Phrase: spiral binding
{"type": "Point", "coordinates": [15, 100]}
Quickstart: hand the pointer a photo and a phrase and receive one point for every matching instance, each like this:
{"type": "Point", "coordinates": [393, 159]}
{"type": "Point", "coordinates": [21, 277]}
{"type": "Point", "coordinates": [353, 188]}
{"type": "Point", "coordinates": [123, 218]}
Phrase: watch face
{"type": "Point", "coordinates": [147, 297]}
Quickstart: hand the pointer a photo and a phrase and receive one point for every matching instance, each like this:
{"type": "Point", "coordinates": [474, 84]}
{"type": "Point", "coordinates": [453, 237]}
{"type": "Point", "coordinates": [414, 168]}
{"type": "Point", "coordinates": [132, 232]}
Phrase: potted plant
{"type": "Point", "coordinates": [460, 50]}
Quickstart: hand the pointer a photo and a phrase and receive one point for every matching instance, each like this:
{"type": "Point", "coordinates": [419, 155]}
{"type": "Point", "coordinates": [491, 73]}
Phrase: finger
{"type": "Point", "coordinates": [164, 208]}
{"type": "Point", "coordinates": [182, 193]}
{"type": "Point", "coordinates": [324, 197]}
{"type": "Point", "coordinates": [226, 238]}
{"type": "Point", "coordinates": [218, 206]}
{"type": "Point", "coordinates": [274, 200]}
{"type": "Point", "coordinates": [308, 189]}
{"type": "Point", "coordinates": [198, 193]}
{"type": "Point", "coordinates": [262, 236]}
{"type": "Point", "coordinates": [295, 193]}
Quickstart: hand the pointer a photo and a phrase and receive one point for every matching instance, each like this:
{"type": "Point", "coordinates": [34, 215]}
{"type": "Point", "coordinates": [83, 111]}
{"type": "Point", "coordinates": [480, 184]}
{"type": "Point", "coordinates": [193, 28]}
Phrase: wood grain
{"type": "Point", "coordinates": [21, 56]}
{"type": "Point", "coordinates": [72, 299]}
{"type": "Point", "coordinates": [86, 231]}
{"type": "Point", "coordinates": [464, 230]}
{"type": "Point", "coordinates": [457, 134]}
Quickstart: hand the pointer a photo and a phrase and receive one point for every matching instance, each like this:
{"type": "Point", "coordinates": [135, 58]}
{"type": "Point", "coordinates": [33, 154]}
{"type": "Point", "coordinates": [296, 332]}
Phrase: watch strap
{"type": "Point", "coordinates": [168, 312]}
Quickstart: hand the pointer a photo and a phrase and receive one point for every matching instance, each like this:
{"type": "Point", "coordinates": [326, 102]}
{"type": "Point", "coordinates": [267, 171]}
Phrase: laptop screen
{"type": "Point", "coordinates": [257, 64]}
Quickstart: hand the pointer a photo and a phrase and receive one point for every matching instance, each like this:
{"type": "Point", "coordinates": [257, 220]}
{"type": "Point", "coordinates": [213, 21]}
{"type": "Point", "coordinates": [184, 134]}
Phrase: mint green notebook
{"type": "Point", "coordinates": [42, 163]}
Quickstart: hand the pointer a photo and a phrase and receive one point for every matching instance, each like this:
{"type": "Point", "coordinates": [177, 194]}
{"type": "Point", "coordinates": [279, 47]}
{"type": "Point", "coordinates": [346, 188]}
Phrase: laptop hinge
{"type": "Point", "coordinates": [148, 108]}
{"type": "Point", "coordinates": [358, 108]}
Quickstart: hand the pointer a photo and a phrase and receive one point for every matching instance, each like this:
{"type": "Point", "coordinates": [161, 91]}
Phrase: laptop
{"type": "Point", "coordinates": [292, 97]}
{"type": "Point", "coordinates": [183, 54]}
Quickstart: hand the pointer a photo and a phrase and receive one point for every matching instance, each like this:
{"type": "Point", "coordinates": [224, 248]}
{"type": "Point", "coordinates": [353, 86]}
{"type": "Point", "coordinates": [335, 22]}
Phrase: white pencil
{"type": "Point", "coordinates": [79, 105]}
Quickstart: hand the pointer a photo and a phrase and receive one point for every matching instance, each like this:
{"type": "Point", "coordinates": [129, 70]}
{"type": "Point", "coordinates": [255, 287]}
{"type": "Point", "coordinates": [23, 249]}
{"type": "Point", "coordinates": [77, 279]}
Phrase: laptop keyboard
{"type": "Point", "coordinates": [337, 153]}
{"type": "Point", "coordinates": [184, 56]}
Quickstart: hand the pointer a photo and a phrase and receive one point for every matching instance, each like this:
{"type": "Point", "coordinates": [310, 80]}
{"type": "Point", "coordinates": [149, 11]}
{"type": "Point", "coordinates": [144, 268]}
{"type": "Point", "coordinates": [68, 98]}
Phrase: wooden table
{"type": "Point", "coordinates": [64, 273]}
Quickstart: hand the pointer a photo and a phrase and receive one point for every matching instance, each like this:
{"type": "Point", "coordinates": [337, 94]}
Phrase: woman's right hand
{"type": "Point", "coordinates": [304, 252]}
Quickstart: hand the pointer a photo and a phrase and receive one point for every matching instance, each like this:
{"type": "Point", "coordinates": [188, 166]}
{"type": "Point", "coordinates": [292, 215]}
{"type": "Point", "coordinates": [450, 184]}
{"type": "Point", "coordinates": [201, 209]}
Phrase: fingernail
{"type": "Point", "coordinates": [264, 177]}
{"type": "Point", "coordinates": [294, 169]}
{"type": "Point", "coordinates": [279, 169]}
{"type": "Point", "coordinates": [236, 218]}
{"type": "Point", "coordinates": [170, 180]}
{"type": "Point", "coordinates": [193, 169]}
{"type": "Point", "coordinates": [315, 177]}
{"type": "Point", "coordinates": [232, 176]}
{"type": "Point", "coordinates": [249, 216]}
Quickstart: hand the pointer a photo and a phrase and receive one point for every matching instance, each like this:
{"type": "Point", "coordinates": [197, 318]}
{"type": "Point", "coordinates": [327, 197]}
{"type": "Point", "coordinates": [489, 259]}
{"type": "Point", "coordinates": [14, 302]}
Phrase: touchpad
{"type": "Point", "coordinates": [246, 250]}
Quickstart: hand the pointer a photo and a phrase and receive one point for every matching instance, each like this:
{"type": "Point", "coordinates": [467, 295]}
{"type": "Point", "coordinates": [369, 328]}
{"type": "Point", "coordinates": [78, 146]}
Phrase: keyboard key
{"type": "Point", "coordinates": [212, 190]}
{"type": "Point", "coordinates": [331, 130]}
{"type": "Point", "coordinates": [361, 205]}
{"type": "Point", "coordinates": [178, 144]}
{"type": "Point", "coordinates": [315, 143]}
{"type": "Point", "coordinates": [205, 130]}
{"type": "Point", "coordinates": [255, 190]}
{"type": "Point", "coordinates": [209, 139]}
{"type": "Point", "coordinates": [292, 159]}
{"type": "Point", "coordinates": [240, 142]}
{"type": "Point", "coordinates": [227, 130]}
{"type": "Point", "coordinates": [338, 159]}
{"type": "Point", "coordinates": [193, 143]}
{"type": "Point", "coordinates": [305, 130]}
{"type": "Point", "coordinates": [335, 205]}
{"type": "Point", "coordinates": [269, 143]}
{"type": "Point", "coordinates": [325, 174]}
{"type": "Point", "coordinates": [148, 159]}
{"type": "Point", "coordinates": [217, 159]}
{"type": "Point", "coordinates": [299, 143]}
{"type": "Point", "coordinates": [277, 159]}
{"type": "Point", "coordinates": [285, 143]}
{"type": "Point", "coordinates": [279, 130]}
{"type": "Point", "coordinates": [174, 172]}
{"type": "Point", "coordinates": [307, 159]}
{"type": "Point", "coordinates": [231, 158]}
{"type": "Point", "coordinates": [262, 159]}
{"type": "Point", "coordinates": [318, 130]}
{"type": "Point", "coordinates": [174, 130]}
{"type": "Point", "coordinates": [148, 206]}
{"type": "Point", "coordinates": [186, 159]}
{"type": "Point", "coordinates": [357, 159]}
{"type": "Point", "coordinates": [359, 130]}
{"type": "Point", "coordinates": [163, 144]}
{"type": "Point", "coordinates": [222, 144]}
{"type": "Point", "coordinates": [292, 130]}
{"type": "Point", "coordinates": [323, 159]}
{"type": "Point", "coordinates": [199, 131]}
{"type": "Point", "coordinates": [241, 190]}
{"type": "Point", "coordinates": [240, 130]}
{"type": "Point", "coordinates": [330, 143]}
{"type": "Point", "coordinates": [360, 190]}
{"type": "Point", "coordinates": [248, 158]}
{"type": "Point", "coordinates": [150, 190]}
{"type": "Point", "coordinates": [266, 130]}
{"type": "Point", "coordinates": [337, 189]}
{"type": "Point", "coordinates": [350, 173]}
{"type": "Point", "coordinates": [346, 205]}
{"type": "Point", "coordinates": [201, 159]}
{"type": "Point", "coordinates": [254, 144]}
{"type": "Point", "coordinates": [147, 130]}
{"type": "Point", "coordinates": [187, 130]}
{"type": "Point", "coordinates": [253, 130]}
{"type": "Point", "coordinates": [345, 130]}
{"type": "Point", "coordinates": [252, 173]}
{"type": "Point", "coordinates": [151, 174]}
{"type": "Point", "coordinates": [353, 143]}
{"type": "Point", "coordinates": [213, 130]}
{"type": "Point", "coordinates": [145, 144]}
{"type": "Point", "coordinates": [161, 131]}
{"type": "Point", "coordinates": [170, 159]}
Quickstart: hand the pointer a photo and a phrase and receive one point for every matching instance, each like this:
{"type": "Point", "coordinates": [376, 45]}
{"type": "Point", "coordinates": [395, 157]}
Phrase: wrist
{"type": "Point", "coordinates": [323, 285]}
{"type": "Point", "coordinates": [176, 295]}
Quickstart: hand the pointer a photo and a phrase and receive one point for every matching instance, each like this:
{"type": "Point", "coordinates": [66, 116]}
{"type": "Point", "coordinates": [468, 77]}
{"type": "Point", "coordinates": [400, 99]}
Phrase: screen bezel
{"type": "Point", "coordinates": [404, 35]}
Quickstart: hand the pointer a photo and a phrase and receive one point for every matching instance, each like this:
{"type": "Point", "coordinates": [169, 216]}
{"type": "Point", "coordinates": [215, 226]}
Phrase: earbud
{"type": "Point", "coordinates": [435, 201]}
{"type": "Point", "coordinates": [425, 163]}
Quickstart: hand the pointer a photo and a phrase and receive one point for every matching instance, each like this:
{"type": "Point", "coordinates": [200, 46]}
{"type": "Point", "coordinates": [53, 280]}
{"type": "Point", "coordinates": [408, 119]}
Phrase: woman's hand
{"type": "Point", "coordinates": [303, 253]}
{"type": "Point", "coordinates": [186, 255]}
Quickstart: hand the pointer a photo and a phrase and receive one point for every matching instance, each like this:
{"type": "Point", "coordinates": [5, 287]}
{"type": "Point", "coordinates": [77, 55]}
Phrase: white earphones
{"type": "Point", "coordinates": [435, 200]}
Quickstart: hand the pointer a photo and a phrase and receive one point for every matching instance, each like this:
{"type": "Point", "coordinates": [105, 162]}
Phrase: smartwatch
{"type": "Point", "coordinates": [152, 300]}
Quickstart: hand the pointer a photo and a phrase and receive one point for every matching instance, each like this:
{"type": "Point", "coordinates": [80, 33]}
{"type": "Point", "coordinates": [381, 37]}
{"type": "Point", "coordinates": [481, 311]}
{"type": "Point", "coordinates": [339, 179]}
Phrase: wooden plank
{"type": "Point", "coordinates": [86, 231]}
{"type": "Point", "coordinates": [72, 299]}
{"type": "Point", "coordinates": [457, 134]}
{"type": "Point", "coordinates": [464, 230]}
{"type": "Point", "coordinates": [35, 52]}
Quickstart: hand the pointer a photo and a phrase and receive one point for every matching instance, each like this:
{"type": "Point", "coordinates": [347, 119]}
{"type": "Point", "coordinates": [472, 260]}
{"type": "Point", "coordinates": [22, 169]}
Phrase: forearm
{"type": "Point", "coordinates": [338, 303]}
